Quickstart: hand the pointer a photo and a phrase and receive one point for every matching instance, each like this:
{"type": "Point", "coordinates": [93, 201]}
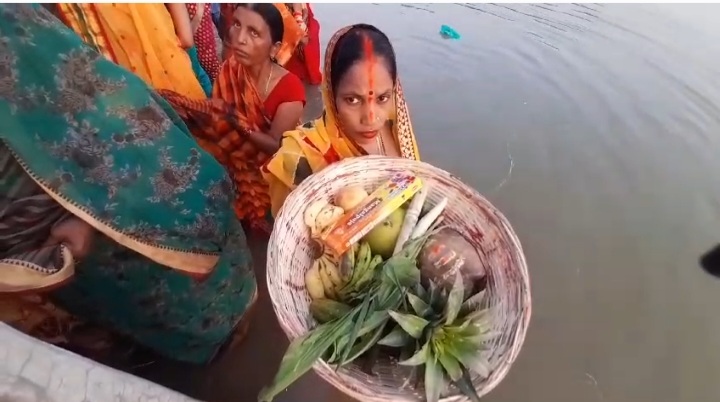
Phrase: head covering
{"type": "Point", "coordinates": [292, 34]}
{"type": "Point", "coordinates": [317, 144]}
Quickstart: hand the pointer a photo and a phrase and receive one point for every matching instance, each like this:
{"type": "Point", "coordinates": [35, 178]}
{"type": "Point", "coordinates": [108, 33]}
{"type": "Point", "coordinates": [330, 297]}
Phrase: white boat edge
{"type": "Point", "coordinates": [34, 371]}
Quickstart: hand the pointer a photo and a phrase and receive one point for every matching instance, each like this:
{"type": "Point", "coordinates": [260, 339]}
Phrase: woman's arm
{"type": "Point", "coordinates": [181, 21]}
{"type": "Point", "coordinates": [287, 116]}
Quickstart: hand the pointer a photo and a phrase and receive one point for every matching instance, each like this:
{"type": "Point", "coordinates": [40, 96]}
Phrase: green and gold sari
{"type": "Point", "coordinates": [82, 137]}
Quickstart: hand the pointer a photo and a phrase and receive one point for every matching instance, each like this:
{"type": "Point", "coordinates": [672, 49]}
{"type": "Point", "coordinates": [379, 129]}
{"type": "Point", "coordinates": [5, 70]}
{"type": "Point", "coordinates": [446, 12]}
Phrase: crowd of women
{"type": "Point", "coordinates": [140, 143]}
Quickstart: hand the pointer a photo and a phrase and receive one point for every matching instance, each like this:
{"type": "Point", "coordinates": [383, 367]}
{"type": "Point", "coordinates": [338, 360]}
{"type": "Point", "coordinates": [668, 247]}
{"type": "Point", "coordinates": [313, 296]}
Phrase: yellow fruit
{"type": "Point", "coordinates": [332, 270]}
{"type": "Point", "coordinates": [328, 216]}
{"type": "Point", "coordinates": [382, 238]}
{"type": "Point", "coordinates": [350, 197]}
{"type": "Point", "coordinates": [328, 285]}
{"type": "Point", "coordinates": [311, 213]}
{"type": "Point", "coordinates": [314, 283]}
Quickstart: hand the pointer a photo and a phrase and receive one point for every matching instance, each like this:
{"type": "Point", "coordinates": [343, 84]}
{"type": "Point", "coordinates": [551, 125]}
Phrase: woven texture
{"type": "Point", "coordinates": [290, 256]}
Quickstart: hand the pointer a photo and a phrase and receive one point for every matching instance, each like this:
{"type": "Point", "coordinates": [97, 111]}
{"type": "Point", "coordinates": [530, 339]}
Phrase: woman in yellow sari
{"type": "Point", "coordinates": [365, 113]}
{"type": "Point", "coordinates": [140, 37]}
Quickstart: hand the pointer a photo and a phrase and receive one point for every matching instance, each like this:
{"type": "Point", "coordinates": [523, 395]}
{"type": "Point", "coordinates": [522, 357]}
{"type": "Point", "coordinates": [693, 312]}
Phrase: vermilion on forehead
{"type": "Point", "coordinates": [370, 61]}
{"type": "Point", "coordinates": [365, 77]}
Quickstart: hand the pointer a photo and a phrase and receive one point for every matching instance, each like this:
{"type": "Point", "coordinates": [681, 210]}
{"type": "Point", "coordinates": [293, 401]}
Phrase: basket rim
{"type": "Point", "coordinates": [367, 162]}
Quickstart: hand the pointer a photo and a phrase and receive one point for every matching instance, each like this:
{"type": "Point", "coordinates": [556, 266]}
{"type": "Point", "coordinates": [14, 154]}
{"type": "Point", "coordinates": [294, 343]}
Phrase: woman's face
{"type": "Point", "coordinates": [250, 38]}
{"type": "Point", "coordinates": [364, 99]}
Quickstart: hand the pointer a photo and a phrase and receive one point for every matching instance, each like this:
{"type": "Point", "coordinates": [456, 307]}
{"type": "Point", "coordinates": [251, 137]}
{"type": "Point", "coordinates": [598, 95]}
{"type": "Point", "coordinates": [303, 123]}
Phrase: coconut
{"type": "Point", "coordinates": [445, 254]}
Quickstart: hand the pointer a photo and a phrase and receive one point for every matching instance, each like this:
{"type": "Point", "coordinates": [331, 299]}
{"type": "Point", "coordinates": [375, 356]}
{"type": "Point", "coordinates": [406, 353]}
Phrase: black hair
{"type": "Point", "coordinates": [349, 49]}
{"type": "Point", "coordinates": [272, 17]}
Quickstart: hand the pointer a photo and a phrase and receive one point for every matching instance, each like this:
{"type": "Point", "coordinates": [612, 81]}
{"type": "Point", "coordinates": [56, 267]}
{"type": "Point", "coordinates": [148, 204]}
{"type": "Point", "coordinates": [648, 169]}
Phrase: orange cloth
{"type": "Point", "coordinates": [139, 37]}
{"type": "Point", "coordinates": [221, 124]}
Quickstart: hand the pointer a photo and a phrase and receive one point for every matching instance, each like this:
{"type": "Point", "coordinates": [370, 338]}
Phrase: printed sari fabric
{"type": "Point", "coordinates": [320, 143]}
{"type": "Point", "coordinates": [221, 125]}
{"type": "Point", "coordinates": [292, 34]}
{"type": "Point", "coordinates": [139, 37]}
{"type": "Point", "coordinates": [205, 38]}
{"type": "Point", "coordinates": [83, 137]}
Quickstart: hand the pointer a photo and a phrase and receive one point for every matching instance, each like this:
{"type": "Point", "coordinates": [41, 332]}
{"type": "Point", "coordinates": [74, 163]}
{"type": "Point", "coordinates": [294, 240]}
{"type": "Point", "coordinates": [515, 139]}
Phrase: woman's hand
{"type": "Point", "coordinates": [75, 234]}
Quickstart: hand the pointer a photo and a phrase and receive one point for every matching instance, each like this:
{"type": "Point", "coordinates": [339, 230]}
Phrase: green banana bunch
{"type": "Point", "coordinates": [362, 273]}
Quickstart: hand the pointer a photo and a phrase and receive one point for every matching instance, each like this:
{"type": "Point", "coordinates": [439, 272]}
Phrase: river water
{"type": "Point", "coordinates": [596, 130]}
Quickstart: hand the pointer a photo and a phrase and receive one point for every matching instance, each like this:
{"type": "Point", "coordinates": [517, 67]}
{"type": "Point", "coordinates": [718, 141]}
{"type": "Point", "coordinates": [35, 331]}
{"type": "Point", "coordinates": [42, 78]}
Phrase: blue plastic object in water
{"type": "Point", "coordinates": [449, 33]}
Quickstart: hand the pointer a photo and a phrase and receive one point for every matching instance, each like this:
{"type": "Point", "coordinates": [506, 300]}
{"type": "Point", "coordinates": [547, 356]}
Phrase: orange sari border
{"type": "Point", "coordinates": [83, 19]}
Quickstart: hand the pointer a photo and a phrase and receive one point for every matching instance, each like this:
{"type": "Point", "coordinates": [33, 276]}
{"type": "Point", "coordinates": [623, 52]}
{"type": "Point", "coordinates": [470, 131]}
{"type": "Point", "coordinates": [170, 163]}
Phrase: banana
{"type": "Point", "coordinates": [328, 285]}
{"type": "Point", "coordinates": [347, 264]}
{"type": "Point", "coordinates": [332, 272]}
{"type": "Point", "coordinates": [362, 261]}
{"type": "Point", "coordinates": [328, 216]}
{"type": "Point", "coordinates": [314, 283]}
{"type": "Point", "coordinates": [376, 260]}
{"type": "Point", "coordinates": [311, 213]}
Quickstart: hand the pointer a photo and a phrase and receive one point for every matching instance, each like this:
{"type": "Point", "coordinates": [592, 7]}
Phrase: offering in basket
{"type": "Point", "coordinates": [404, 296]}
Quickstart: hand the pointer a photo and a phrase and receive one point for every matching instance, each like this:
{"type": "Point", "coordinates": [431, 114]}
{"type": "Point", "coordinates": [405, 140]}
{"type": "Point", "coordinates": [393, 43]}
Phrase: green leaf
{"type": "Point", "coordinates": [451, 365]}
{"type": "Point", "coordinates": [421, 292]}
{"type": "Point", "coordinates": [374, 320]}
{"type": "Point", "coordinates": [412, 324]}
{"type": "Point", "coordinates": [478, 316]}
{"type": "Point", "coordinates": [401, 272]}
{"type": "Point", "coordinates": [302, 353]}
{"type": "Point", "coordinates": [455, 299]}
{"type": "Point", "coordinates": [433, 379]}
{"type": "Point", "coordinates": [474, 302]}
{"type": "Point", "coordinates": [466, 386]}
{"type": "Point", "coordinates": [420, 357]}
{"type": "Point", "coordinates": [366, 342]}
{"type": "Point", "coordinates": [434, 294]}
{"type": "Point", "coordinates": [471, 357]}
{"type": "Point", "coordinates": [340, 345]}
{"type": "Point", "coordinates": [485, 337]}
{"type": "Point", "coordinates": [396, 338]}
{"type": "Point", "coordinates": [357, 326]}
{"type": "Point", "coordinates": [419, 306]}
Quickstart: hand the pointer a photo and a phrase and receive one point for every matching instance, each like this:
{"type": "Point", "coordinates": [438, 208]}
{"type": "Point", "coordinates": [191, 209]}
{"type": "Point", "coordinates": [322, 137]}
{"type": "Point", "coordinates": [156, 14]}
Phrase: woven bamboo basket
{"type": "Point", "coordinates": [290, 256]}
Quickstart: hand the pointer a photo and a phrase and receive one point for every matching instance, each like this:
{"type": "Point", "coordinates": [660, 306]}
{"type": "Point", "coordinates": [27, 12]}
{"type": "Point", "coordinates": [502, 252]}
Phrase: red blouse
{"type": "Point", "coordinates": [288, 89]}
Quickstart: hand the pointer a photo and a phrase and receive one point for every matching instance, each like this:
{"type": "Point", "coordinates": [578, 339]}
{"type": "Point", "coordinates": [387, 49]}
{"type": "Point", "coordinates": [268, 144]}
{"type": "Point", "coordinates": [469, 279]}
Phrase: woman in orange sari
{"type": "Point", "coordinates": [140, 37]}
{"type": "Point", "coordinates": [365, 113]}
{"type": "Point", "coordinates": [254, 101]}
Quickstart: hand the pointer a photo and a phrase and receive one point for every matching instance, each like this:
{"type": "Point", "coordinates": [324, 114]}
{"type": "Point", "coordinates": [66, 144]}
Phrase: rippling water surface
{"type": "Point", "coordinates": [610, 118]}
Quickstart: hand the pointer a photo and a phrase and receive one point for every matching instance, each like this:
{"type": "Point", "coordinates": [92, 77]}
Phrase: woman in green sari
{"type": "Point", "coordinates": [110, 213]}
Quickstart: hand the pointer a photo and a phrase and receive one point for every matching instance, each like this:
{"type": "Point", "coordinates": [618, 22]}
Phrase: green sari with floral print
{"type": "Point", "coordinates": [170, 266]}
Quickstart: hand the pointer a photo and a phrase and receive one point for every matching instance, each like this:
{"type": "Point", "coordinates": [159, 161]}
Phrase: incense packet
{"type": "Point", "coordinates": [354, 225]}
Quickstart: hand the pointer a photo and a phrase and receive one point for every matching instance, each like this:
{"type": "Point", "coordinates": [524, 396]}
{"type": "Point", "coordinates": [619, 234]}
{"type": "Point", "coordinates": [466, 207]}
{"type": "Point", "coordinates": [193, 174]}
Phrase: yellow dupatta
{"type": "Point", "coordinates": [139, 37]}
{"type": "Point", "coordinates": [320, 143]}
